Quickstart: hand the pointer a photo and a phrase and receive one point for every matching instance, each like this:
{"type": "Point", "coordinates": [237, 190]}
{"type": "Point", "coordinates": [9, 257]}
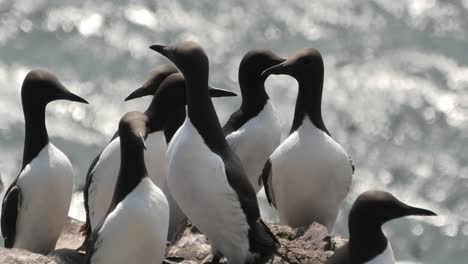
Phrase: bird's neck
{"type": "Point", "coordinates": [156, 120]}
{"type": "Point", "coordinates": [253, 94]}
{"type": "Point", "coordinates": [202, 114]}
{"type": "Point", "coordinates": [309, 104]}
{"type": "Point", "coordinates": [366, 241]}
{"type": "Point", "coordinates": [36, 137]}
{"type": "Point", "coordinates": [132, 171]}
{"type": "Point", "coordinates": [175, 120]}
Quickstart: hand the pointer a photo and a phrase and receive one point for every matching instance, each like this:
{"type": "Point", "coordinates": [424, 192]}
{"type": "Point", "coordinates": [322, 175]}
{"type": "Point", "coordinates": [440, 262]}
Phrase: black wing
{"type": "Point", "coordinates": [235, 121]}
{"type": "Point", "coordinates": [86, 228]}
{"type": "Point", "coordinates": [10, 206]}
{"type": "Point", "coordinates": [261, 238]}
{"type": "Point", "coordinates": [265, 177]}
{"type": "Point", "coordinates": [351, 162]}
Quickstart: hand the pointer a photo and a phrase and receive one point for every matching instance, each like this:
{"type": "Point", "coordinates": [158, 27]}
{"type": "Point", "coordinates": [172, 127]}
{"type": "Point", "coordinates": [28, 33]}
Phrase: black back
{"type": "Point", "coordinates": [192, 61]}
{"type": "Point", "coordinates": [369, 212]}
{"type": "Point", "coordinates": [252, 86]}
{"type": "Point", "coordinates": [39, 88]}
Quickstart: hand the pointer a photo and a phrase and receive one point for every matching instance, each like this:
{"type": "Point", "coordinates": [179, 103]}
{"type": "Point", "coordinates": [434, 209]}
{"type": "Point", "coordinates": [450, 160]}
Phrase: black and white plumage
{"type": "Point", "coordinates": [35, 206]}
{"type": "Point", "coordinates": [102, 174]}
{"type": "Point", "coordinates": [367, 243]}
{"type": "Point", "coordinates": [309, 174]}
{"type": "Point", "coordinates": [203, 174]}
{"type": "Point", "coordinates": [135, 227]}
{"type": "Point", "coordinates": [254, 131]}
{"type": "Point", "coordinates": [166, 114]}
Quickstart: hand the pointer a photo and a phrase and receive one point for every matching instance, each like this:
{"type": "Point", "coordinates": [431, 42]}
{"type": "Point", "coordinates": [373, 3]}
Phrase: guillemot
{"type": "Point", "coordinates": [254, 131]}
{"type": "Point", "coordinates": [166, 115]}
{"type": "Point", "coordinates": [35, 206]}
{"type": "Point", "coordinates": [309, 174]}
{"type": "Point", "coordinates": [135, 227]}
{"type": "Point", "coordinates": [205, 176]}
{"type": "Point", "coordinates": [103, 171]}
{"type": "Point", "coordinates": [367, 243]}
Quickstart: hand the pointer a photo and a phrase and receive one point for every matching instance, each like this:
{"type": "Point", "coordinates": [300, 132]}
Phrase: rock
{"type": "Point", "coordinates": [64, 253]}
{"type": "Point", "coordinates": [71, 236]}
{"type": "Point", "coordinates": [303, 245]}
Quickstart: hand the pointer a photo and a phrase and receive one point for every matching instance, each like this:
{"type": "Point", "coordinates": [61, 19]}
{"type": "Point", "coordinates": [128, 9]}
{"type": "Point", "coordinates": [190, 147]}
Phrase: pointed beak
{"type": "Point", "coordinates": [160, 49]}
{"type": "Point", "coordinates": [282, 68]}
{"type": "Point", "coordinates": [419, 212]}
{"type": "Point", "coordinates": [217, 92]}
{"type": "Point", "coordinates": [73, 97]}
{"type": "Point", "coordinates": [140, 92]}
{"type": "Point", "coordinates": [142, 140]}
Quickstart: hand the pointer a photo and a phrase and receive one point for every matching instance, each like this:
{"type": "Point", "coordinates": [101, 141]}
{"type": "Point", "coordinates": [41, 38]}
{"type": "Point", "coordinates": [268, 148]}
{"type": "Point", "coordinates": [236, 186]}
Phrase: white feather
{"type": "Point", "coordinates": [106, 170]}
{"type": "Point", "coordinates": [104, 179]}
{"type": "Point", "coordinates": [46, 190]}
{"type": "Point", "coordinates": [254, 142]}
{"type": "Point", "coordinates": [136, 230]}
{"type": "Point", "coordinates": [311, 175]}
{"type": "Point", "coordinates": [196, 178]}
{"type": "Point", "coordinates": [385, 257]}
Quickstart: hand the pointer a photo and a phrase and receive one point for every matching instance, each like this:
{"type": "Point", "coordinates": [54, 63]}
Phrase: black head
{"type": "Point", "coordinates": [41, 87]}
{"type": "Point", "coordinates": [301, 64]}
{"type": "Point", "coordinates": [133, 130]}
{"type": "Point", "coordinates": [152, 83]}
{"type": "Point", "coordinates": [172, 91]}
{"type": "Point", "coordinates": [168, 105]}
{"type": "Point", "coordinates": [189, 57]}
{"type": "Point", "coordinates": [375, 208]}
{"type": "Point", "coordinates": [255, 62]}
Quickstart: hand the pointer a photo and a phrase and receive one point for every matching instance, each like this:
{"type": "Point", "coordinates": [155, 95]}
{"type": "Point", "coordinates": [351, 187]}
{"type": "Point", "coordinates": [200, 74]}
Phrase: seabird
{"type": "Point", "coordinates": [103, 171]}
{"type": "Point", "coordinates": [254, 131]}
{"type": "Point", "coordinates": [35, 206]}
{"type": "Point", "coordinates": [367, 243]}
{"type": "Point", "coordinates": [135, 227]}
{"type": "Point", "coordinates": [166, 115]}
{"type": "Point", "coordinates": [309, 174]}
{"type": "Point", "coordinates": [204, 175]}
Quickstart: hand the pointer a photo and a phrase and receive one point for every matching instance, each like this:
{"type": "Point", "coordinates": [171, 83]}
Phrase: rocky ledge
{"type": "Point", "coordinates": [303, 245]}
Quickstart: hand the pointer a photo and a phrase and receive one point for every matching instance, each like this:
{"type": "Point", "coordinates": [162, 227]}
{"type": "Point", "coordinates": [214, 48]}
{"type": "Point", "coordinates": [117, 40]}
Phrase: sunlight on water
{"type": "Point", "coordinates": [395, 92]}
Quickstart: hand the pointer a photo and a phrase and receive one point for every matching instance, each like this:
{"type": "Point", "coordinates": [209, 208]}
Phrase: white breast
{"type": "Point", "coordinates": [46, 187]}
{"type": "Point", "coordinates": [101, 189]}
{"type": "Point", "coordinates": [311, 175]}
{"type": "Point", "coordinates": [155, 157]}
{"type": "Point", "coordinates": [385, 257]}
{"type": "Point", "coordinates": [136, 230]}
{"type": "Point", "coordinates": [254, 142]}
{"type": "Point", "coordinates": [196, 178]}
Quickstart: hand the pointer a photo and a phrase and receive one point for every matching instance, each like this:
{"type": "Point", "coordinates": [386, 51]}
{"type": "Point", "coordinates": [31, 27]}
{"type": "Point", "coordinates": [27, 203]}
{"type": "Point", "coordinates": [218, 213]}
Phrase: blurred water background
{"type": "Point", "coordinates": [395, 93]}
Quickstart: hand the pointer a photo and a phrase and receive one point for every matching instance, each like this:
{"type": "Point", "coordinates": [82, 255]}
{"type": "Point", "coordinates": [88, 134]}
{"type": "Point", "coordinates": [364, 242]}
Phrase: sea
{"type": "Point", "coordinates": [395, 91]}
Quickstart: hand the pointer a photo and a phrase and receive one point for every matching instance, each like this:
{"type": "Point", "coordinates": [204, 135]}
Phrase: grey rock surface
{"type": "Point", "coordinates": [303, 245]}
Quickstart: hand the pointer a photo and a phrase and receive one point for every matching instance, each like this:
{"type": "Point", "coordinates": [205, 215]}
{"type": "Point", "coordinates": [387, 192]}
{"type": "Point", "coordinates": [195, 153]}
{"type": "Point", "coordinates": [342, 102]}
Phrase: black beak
{"type": "Point", "coordinates": [419, 212]}
{"type": "Point", "coordinates": [217, 92]}
{"type": "Point", "coordinates": [73, 97]}
{"type": "Point", "coordinates": [160, 49]}
{"type": "Point", "coordinates": [140, 92]}
{"type": "Point", "coordinates": [282, 68]}
{"type": "Point", "coordinates": [142, 140]}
